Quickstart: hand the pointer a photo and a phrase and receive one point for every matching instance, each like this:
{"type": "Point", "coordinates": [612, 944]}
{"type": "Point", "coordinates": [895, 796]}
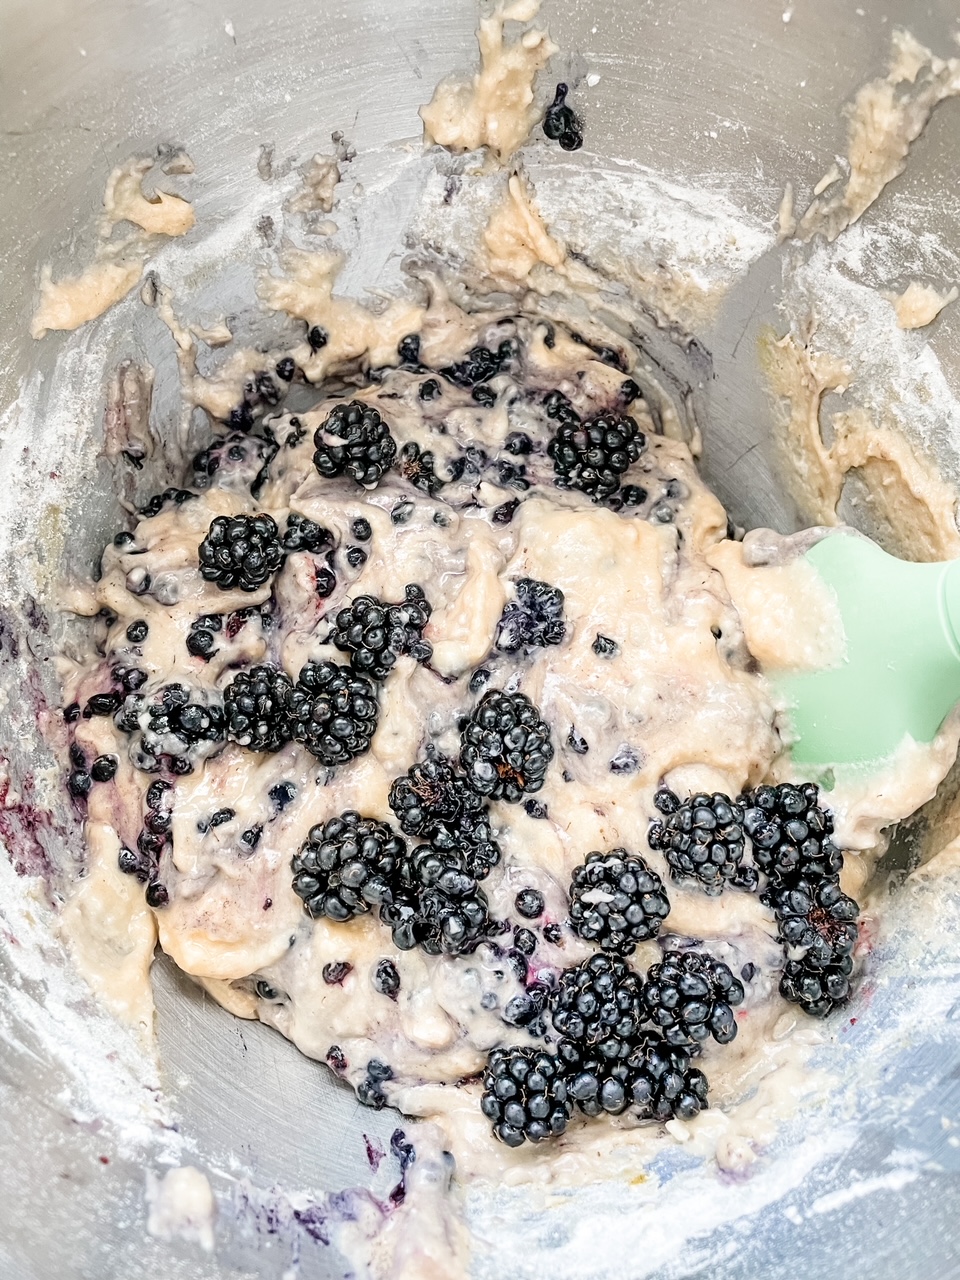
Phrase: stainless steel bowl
{"type": "Point", "coordinates": [725, 97]}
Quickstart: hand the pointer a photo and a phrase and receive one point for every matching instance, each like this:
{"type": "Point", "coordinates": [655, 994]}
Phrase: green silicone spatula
{"type": "Point", "coordinates": [901, 670]}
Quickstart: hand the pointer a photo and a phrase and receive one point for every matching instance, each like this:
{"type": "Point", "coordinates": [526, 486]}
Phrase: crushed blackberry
{"type": "Point", "coordinates": [375, 633]}
{"type": "Point", "coordinates": [418, 466]}
{"type": "Point", "coordinates": [370, 1090]}
{"type": "Point", "coordinates": [71, 713]}
{"type": "Point", "coordinates": [484, 396]}
{"type": "Point", "coordinates": [478, 365]}
{"type": "Point", "coordinates": [703, 840]}
{"type": "Point", "coordinates": [577, 742]}
{"type": "Point", "coordinates": [625, 760]}
{"type": "Point", "coordinates": [102, 704]}
{"type": "Point", "coordinates": [629, 391]}
{"type": "Point", "coordinates": [317, 338]}
{"type": "Point", "coordinates": [368, 450]}
{"type": "Point", "coordinates": [529, 904]}
{"type": "Point", "coordinates": [471, 462]}
{"type": "Point", "coordinates": [518, 443]}
{"type": "Point", "coordinates": [347, 865]}
{"type": "Point", "coordinates": [332, 711]}
{"type": "Point", "coordinates": [604, 647]}
{"type": "Point", "coordinates": [281, 795]}
{"type": "Point", "coordinates": [430, 389]}
{"type": "Point", "coordinates": [598, 1004]}
{"type": "Point", "coordinates": [524, 1095]}
{"type": "Point", "coordinates": [790, 834]}
{"type": "Point", "coordinates": [561, 123]}
{"type": "Point", "coordinates": [157, 895]}
{"type": "Point", "coordinates": [170, 727]}
{"type": "Point", "coordinates": [334, 973]}
{"type": "Point", "coordinates": [386, 979]}
{"type": "Point", "coordinates": [159, 500]}
{"type": "Point", "coordinates": [533, 620]}
{"type": "Point", "coordinates": [302, 534]}
{"type": "Point", "coordinates": [535, 809]}
{"type": "Point", "coordinates": [137, 631]}
{"type": "Point", "coordinates": [265, 991]}
{"type": "Point", "coordinates": [408, 349]}
{"type": "Point", "coordinates": [633, 495]}
{"type": "Point", "coordinates": [505, 746]}
{"type": "Point", "coordinates": [201, 643]}
{"type": "Point", "coordinates": [124, 539]}
{"type": "Point", "coordinates": [690, 996]}
{"type": "Point", "coordinates": [104, 768]}
{"type": "Point", "coordinates": [241, 551]}
{"type": "Point", "coordinates": [251, 837]}
{"type": "Point", "coordinates": [505, 512]}
{"type": "Point", "coordinates": [401, 513]}
{"type": "Point", "coordinates": [616, 901]}
{"type": "Point", "coordinates": [134, 863]}
{"type": "Point", "coordinates": [336, 1059]}
{"type": "Point", "coordinates": [285, 369]}
{"type": "Point", "coordinates": [255, 708]}
{"type": "Point", "coordinates": [592, 455]}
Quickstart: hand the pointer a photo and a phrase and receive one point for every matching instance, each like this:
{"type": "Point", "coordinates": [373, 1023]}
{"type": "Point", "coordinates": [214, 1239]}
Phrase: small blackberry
{"type": "Point", "coordinates": [534, 619]}
{"type": "Point", "coordinates": [592, 456]}
{"type": "Point", "coordinates": [241, 551]}
{"type": "Point", "coordinates": [524, 1095]}
{"type": "Point", "coordinates": [790, 834]}
{"type": "Point", "coordinates": [255, 708]}
{"type": "Point", "coordinates": [817, 922]}
{"type": "Point", "coordinates": [702, 839]}
{"type": "Point", "coordinates": [598, 1004]}
{"type": "Point", "coordinates": [663, 1085]}
{"type": "Point", "coordinates": [561, 123]}
{"type": "Point", "coordinates": [529, 904]}
{"type": "Point", "coordinates": [817, 991]}
{"type": "Point", "coordinates": [368, 450]}
{"type": "Point", "coordinates": [302, 534]}
{"type": "Point", "coordinates": [417, 466]}
{"type": "Point", "coordinates": [375, 633]}
{"type": "Point", "coordinates": [170, 727]}
{"type": "Point", "coordinates": [616, 901]}
{"type": "Point", "coordinates": [332, 711]}
{"type": "Point", "coordinates": [689, 996]}
{"type": "Point", "coordinates": [347, 865]}
{"type": "Point", "coordinates": [505, 746]}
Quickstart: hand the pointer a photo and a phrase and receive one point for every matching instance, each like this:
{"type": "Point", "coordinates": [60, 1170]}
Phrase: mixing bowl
{"type": "Point", "coordinates": [697, 114]}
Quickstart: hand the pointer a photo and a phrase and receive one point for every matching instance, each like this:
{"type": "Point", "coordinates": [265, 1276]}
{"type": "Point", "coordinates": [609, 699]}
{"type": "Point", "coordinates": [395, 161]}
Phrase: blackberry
{"type": "Point", "coordinates": [594, 1084]}
{"type": "Point", "coordinates": [417, 465]}
{"type": "Point", "coordinates": [790, 834]}
{"type": "Point", "coordinates": [561, 123]}
{"type": "Point", "coordinates": [332, 711]}
{"type": "Point", "coordinates": [702, 839]}
{"type": "Point", "coordinates": [438, 905]}
{"type": "Point", "coordinates": [524, 1095]}
{"type": "Point", "coordinates": [255, 708]}
{"type": "Point", "coordinates": [434, 803]}
{"type": "Point", "coordinates": [505, 512]}
{"type": "Point", "coordinates": [137, 631]}
{"type": "Point", "coordinates": [817, 923]}
{"type": "Point", "coordinates": [477, 366]}
{"type": "Point", "coordinates": [302, 534]}
{"type": "Point", "coordinates": [598, 1005]}
{"type": "Point", "coordinates": [386, 979]}
{"type": "Point", "coordinates": [505, 746]}
{"type": "Point", "coordinates": [529, 904]}
{"type": "Point", "coordinates": [663, 1085]}
{"type": "Point", "coordinates": [817, 991]}
{"type": "Point", "coordinates": [690, 996]}
{"type": "Point", "coordinates": [171, 727]}
{"type": "Point", "coordinates": [368, 450]}
{"type": "Point", "coordinates": [375, 633]}
{"type": "Point", "coordinates": [534, 619]}
{"type": "Point", "coordinates": [159, 500]}
{"type": "Point", "coordinates": [347, 865]}
{"type": "Point", "coordinates": [616, 901]}
{"type": "Point", "coordinates": [241, 551]}
{"type": "Point", "coordinates": [592, 456]}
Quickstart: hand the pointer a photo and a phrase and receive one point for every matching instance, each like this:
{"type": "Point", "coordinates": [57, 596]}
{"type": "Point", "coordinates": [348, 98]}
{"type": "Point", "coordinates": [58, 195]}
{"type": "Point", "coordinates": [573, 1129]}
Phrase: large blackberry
{"type": "Point", "coordinates": [439, 906]}
{"type": "Point", "coordinates": [375, 633]}
{"type": "Point", "coordinates": [616, 901]}
{"type": "Point", "coordinates": [241, 551]}
{"type": "Point", "coordinates": [561, 123]}
{"type": "Point", "coordinates": [592, 456]}
{"type": "Point", "coordinates": [598, 1004]}
{"type": "Point", "coordinates": [790, 834]}
{"type": "Point", "coordinates": [433, 802]}
{"type": "Point", "coordinates": [524, 1095]}
{"type": "Point", "coordinates": [347, 865]}
{"type": "Point", "coordinates": [505, 746]}
{"type": "Point", "coordinates": [332, 711]}
{"type": "Point", "coordinates": [368, 449]}
{"type": "Point", "coordinates": [255, 707]}
{"type": "Point", "coordinates": [689, 996]}
{"type": "Point", "coordinates": [533, 619]}
{"type": "Point", "coordinates": [703, 840]}
{"type": "Point", "coordinates": [663, 1085]}
{"type": "Point", "coordinates": [171, 727]}
{"type": "Point", "coordinates": [818, 928]}
{"type": "Point", "coordinates": [817, 991]}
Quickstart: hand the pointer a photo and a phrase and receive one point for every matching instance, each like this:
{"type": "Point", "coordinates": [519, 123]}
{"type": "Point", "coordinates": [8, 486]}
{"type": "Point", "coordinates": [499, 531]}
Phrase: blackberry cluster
{"type": "Point", "coordinates": [433, 803]}
{"type": "Point", "coordinates": [418, 466]}
{"type": "Point", "coordinates": [368, 448]}
{"type": "Point", "coordinates": [561, 123]}
{"type": "Point", "coordinates": [655, 1080]}
{"type": "Point", "coordinates": [616, 901]}
{"type": "Point", "coordinates": [170, 728]}
{"type": "Point", "coordinates": [375, 633]}
{"type": "Point", "coordinates": [818, 928]}
{"type": "Point", "coordinates": [346, 866]}
{"type": "Point", "coordinates": [241, 551]}
{"type": "Point", "coordinates": [438, 905]}
{"type": "Point", "coordinates": [155, 835]}
{"type": "Point", "coordinates": [598, 1006]}
{"type": "Point", "coordinates": [790, 834]}
{"type": "Point", "coordinates": [302, 534]}
{"type": "Point", "coordinates": [591, 455]}
{"type": "Point", "coordinates": [703, 839]}
{"type": "Point", "coordinates": [689, 996]}
{"type": "Point", "coordinates": [255, 705]}
{"type": "Point", "coordinates": [533, 620]}
{"type": "Point", "coordinates": [505, 746]}
{"type": "Point", "coordinates": [480, 364]}
{"type": "Point", "coordinates": [332, 711]}
{"type": "Point", "coordinates": [524, 1095]}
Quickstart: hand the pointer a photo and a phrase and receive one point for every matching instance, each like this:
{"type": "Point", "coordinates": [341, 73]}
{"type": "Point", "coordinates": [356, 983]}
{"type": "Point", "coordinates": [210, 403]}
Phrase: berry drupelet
{"type": "Point", "coordinates": [255, 708]}
{"type": "Point", "coordinates": [592, 455]}
{"type": "Point", "coordinates": [533, 620]}
{"type": "Point", "coordinates": [524, 1095]}
{"type": "Point", "coordinates": [790, 834]}
{"type": "Point", "coordinates": [332, 711]}
{"type": "Point", "coordinates": [368, 448]}
{"type": "Point", "coordinates": [689, 996]}
{"type": "Point", "coordinates": [703, 840]}
{"type": "Point", "coordinates": [561, 123]}
{"type": "Point", "coordinates": [346, 866]}
{"type": "Point", "coordinates": [616, 901]}
{"type": "Point", "coordinates": [505, 746]}
{"type": "Point", "coordinates": [241, 551]}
